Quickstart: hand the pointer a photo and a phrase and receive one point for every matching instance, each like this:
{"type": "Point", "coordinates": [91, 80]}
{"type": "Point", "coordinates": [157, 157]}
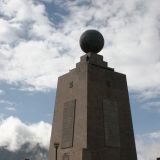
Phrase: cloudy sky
{"type": "Point", "coordinates": [39, 41]}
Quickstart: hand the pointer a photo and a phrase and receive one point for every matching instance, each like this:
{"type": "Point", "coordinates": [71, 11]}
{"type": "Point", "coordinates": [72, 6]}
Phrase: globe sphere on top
{"type": "Point", "coordinates": [91, 41]}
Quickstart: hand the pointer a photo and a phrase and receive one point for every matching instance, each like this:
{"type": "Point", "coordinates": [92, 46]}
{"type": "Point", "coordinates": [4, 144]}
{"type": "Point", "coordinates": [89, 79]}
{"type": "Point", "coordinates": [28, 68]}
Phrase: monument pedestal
{"type": "Point", "coordinates": [92, 117]}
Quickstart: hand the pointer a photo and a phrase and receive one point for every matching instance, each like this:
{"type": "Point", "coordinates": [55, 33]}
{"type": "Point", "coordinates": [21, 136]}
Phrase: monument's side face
{"type": "Point", "coordinates": [109, 125]}
{"type": "Point", "coordinates": [69, 127]}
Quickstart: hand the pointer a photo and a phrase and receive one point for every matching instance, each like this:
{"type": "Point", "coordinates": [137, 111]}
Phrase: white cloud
{"type": "Point", "coordinates": [14, 133]}
{"type": "Point", "coordinates": [10, 108]}
{"type": "Point", "coordinates": [6, 102]}
{"type": "Point", "coordinates": [2, 92]}
{"type": "Point", "coordinates": [34, 52]}
{"type": "Point", "coordinates": [9, 32]}
{"type": "Point", "coordinates": [155, 135]}
{"type": "Point", "coordinates": [152, 105]}
{"type": "Point", "coordinates": [148, 146]}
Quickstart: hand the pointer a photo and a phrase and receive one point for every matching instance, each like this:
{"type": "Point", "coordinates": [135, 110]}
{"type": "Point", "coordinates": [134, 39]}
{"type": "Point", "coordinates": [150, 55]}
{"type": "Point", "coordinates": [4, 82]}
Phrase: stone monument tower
{"type": "Point", "coordinates": [92, 117]}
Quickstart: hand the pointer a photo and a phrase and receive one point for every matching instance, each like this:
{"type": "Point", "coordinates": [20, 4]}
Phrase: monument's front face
{"type": "Point", "coordinates": [92, 118]}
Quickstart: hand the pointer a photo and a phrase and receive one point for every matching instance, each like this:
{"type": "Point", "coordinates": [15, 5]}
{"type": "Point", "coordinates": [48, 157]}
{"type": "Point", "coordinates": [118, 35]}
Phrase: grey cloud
{"type": "Point", "coordinates": [148, 146]}
{"type": "Point", "coordinates": [36, 153]}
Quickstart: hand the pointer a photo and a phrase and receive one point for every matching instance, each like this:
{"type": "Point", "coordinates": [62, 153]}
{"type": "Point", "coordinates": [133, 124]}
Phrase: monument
{"type": "Point", "coordinates": [92, 117]}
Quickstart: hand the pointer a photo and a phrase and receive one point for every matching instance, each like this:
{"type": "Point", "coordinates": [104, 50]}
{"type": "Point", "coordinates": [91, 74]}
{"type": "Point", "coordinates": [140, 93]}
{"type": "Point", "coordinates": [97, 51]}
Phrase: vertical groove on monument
{"type": "Point", "coordinates": [92, 117]}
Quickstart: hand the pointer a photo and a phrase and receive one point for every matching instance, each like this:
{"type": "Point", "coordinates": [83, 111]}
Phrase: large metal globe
{"type": "Point", "coordinates": [91, 41]}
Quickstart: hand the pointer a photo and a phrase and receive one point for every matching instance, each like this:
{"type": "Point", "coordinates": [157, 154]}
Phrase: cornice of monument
{"type": "Point", "coordinates": [94, 59]}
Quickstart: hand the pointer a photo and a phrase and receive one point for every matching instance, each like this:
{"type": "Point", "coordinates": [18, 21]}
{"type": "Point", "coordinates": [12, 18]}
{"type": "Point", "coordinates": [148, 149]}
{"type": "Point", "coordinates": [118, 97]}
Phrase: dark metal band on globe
{"type": "Point", "coordinates": [91, 41]}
